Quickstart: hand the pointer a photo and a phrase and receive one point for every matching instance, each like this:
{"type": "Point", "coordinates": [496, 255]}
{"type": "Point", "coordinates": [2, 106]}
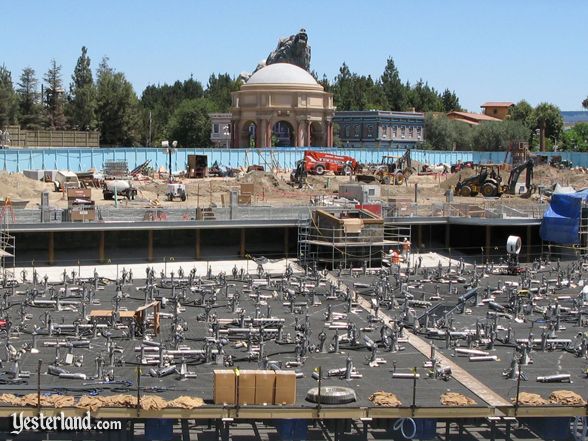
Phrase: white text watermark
{"type": "Point", "coordinates": [59, 423]}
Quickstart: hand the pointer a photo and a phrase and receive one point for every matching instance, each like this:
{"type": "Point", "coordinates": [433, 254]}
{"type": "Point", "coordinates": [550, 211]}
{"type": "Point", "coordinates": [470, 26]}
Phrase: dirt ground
{"type": "Point", "coordinates": [273, 189]}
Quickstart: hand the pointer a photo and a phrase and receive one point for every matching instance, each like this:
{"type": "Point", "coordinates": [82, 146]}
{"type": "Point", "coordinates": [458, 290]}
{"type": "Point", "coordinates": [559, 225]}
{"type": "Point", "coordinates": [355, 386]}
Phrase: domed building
{"type": "Point", "coordinates": [282, 105]}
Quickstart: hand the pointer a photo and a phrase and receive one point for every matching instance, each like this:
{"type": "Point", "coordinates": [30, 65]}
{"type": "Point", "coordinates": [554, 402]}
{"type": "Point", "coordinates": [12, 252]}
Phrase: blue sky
{"type": "Point", "coordinates": [486, 51]}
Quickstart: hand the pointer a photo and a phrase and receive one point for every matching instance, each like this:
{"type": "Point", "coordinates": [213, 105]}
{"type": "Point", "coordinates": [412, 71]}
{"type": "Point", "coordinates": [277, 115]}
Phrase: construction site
{"type": "Point", "coordinates": [330, 300]}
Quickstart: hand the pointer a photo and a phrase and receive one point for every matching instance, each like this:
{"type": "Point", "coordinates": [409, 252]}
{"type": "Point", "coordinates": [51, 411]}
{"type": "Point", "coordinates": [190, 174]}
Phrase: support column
{"type": "Point", "coordinates": [101, 247]}
{"type": "Point", "coordinates": [298, 134]}
{"type": "Point", "coordinates": [419, 237]}
{"type": "Point", "coordinates": [197, 246]}
{"type": "Point", "coordinates": [242, 244]}
{"type": "Point", "coordinates": [259, 134]}
{"type": "Point", "coordinates": [51, 248]}
{"type": "Point", "coordinates": [268, 133]}
{"type": "Point", "coordinates": [286, 231]}
{"type": "Point", "coordinates": [447, 235]}
{"type": "Point", "coordinates": [150, 246]}
{"type": "Point", "coordinates": [308, 140]}
{"type": "Point", "coordinates": [529, 235]}
{"type": "Point", "coordinates": [488, 241]}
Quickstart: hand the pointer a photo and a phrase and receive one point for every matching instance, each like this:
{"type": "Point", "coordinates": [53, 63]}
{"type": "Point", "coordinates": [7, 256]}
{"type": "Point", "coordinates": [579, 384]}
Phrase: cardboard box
{"type": "Point", "coordinates": [265, 382]}
{"type": "Point", "coordinates": [224, 386]}
{"type": "Point", "coordinates": [285, 387]}
{"type": "Point", "coordinates": [246, 385]}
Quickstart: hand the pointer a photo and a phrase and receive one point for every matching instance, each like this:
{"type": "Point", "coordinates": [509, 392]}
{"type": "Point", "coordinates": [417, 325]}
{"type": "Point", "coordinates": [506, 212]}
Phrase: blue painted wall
{"type": "Point", "coordinates": [82, 159]}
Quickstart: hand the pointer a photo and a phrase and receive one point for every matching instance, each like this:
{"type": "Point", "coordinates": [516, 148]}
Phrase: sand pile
{"type": "Point", "coordinates": [263, 181]}
{"type": "Point", "coordinates": [18, 186]}
{"type": "Point", "coordinates": [566, 397]}
{"type": "Point", "coordinates": [454, 179]}
{"type": "Point", "coordinates": [530, 399]}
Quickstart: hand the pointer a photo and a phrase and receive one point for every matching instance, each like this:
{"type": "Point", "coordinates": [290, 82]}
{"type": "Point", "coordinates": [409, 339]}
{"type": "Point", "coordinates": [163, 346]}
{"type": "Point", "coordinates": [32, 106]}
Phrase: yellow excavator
{"type": "Point", "coordinates": [488, 181]}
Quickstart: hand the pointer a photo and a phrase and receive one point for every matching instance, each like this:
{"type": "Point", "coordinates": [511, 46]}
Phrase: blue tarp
{"type": "Point", "coordinates": [561, 221]}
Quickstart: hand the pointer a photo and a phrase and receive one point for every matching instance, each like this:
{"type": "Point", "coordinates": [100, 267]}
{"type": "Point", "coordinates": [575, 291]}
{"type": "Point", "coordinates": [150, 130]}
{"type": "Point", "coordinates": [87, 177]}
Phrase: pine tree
{"type": "Point", "coordinates": [7, 98]}
{"type": "Point", "coordinates": [394, 90]}
{"type": "Point", "coordinates": [29, 106]}
{"type": "Point", "coordinates": [55, 97]}
{"type": "Point", "coordinates": [82, 102]}
{"type": "Point", "coordinates": [450, 101]}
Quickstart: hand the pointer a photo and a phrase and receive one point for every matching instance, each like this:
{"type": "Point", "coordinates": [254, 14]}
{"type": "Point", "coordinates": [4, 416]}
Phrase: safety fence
{"type": "Point", "coordinates": [487, 210]}
{"type": "Point", "coordinates": [83, 159]}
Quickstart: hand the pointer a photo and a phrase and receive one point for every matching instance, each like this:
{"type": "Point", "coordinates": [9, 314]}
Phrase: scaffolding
{"type": "Point", "coordinates": [7, 245]}
{"type": "Point", "coordinates": [351, 238]}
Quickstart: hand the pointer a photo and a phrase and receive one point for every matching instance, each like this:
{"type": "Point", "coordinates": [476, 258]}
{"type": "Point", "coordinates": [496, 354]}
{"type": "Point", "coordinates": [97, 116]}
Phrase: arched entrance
{"type": "Point", "coordinates": [247, 136]}
{"type": "Point", "coordinates": [318, 134]}
{"type": "Point", "coordinates": [282, 134]}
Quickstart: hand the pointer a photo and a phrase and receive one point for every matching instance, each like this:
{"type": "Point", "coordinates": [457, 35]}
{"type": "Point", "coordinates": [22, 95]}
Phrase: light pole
{"type": "Point", "coordinates": [170, 150]}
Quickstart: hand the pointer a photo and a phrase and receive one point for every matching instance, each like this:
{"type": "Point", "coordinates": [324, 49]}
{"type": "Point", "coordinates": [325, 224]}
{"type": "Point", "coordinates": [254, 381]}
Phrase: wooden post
{"type": "Point", "coordinates": [242, 245]}
{"type": "Point", "coordinates": [51, 248]}
{"type": "Point", "coordinates": [150, 245]}
{"type": "Point", "coordinates": [488, 241]}
{"type": "Point", "coordinates": [529, 235]}
{"type": "Point", "coordinates": [197, 251]}
{"type": "Point", "coordinates": [286, 231]}
{"type": "Point", "coordinates": [101, 246]}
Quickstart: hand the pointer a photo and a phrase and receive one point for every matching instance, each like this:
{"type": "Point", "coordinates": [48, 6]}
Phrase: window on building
{"type": "Point", "coordinates": [411, 132]}
{"type": "Point", "coordinates": [394, 131]}
{"type": "Point", "coordinates": [215, 128]}
{"type": "Point", "coordinates": [402, 131]}
{"type": "Point", "coordinates": [356, 131]}
{"type": "Point", "coordinates": [347, 131]}
{"type": "Point", "coordinates": [419, 132]}
{"type": "Point", "coordinates": [370, 131]}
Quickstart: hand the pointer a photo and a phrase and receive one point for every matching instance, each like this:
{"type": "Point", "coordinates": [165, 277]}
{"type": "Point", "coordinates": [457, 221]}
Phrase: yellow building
{"type": "Point", "coordinates": [497, 109]}
{"type": "Point", "coordinates": [281, 105]}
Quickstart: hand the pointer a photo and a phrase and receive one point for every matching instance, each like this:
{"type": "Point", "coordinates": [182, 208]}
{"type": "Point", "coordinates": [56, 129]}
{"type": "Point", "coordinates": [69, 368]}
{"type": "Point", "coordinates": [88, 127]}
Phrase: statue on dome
{"type": "Point", "coordinates": [293, 49]}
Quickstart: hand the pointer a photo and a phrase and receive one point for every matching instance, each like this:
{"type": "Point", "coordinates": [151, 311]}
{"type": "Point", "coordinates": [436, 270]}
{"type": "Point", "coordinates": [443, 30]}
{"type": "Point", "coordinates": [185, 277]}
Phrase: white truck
{"type": "Point", "coordinates": [176, 190]}
{"type": "Point", "coordinates": [120, 188]}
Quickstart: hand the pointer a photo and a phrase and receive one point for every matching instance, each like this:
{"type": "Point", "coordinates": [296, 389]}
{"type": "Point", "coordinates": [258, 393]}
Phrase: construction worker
{"type": "Point", "coordinates": [395, 258]}
{"type": "Point", "coordinates": [405, 248]}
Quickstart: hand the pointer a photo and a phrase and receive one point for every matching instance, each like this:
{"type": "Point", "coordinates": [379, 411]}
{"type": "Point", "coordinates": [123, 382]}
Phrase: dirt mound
{"type": "Point", "coordinates": [263, 181]}
{"type": "Point", "coordinates": [456, 399]}
{"type": "Point", "coordinates": [18, 186]}
{"type": "Point", "coordinates": [386, 399]}
{"type": "Point", "coordinates": [454, 179]}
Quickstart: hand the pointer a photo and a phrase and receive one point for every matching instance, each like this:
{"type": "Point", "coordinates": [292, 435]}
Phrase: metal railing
{"type": "Point", "coordinates": [486, 210]}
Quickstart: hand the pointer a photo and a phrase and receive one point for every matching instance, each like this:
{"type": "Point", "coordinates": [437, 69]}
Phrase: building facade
{"type": "Point", "coordinates": [282, 105]}
{"type": "Point", "coordinates": [497, 109]}
{"type": "Point", "coordinates": [378, 128]}
{"type": "Point", "coordinates": [220, 131]}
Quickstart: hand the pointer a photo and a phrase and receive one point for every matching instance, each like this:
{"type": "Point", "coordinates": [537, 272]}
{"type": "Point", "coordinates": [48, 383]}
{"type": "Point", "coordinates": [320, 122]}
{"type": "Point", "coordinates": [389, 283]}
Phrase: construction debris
{"type": "Point", "coordinates": [530, 399]}
{"type": "Point", "coordinates": [566, 398]}
{"type": "Point", "coordinates": [385, 399]}
{"type": "Point", "coordinates": [456, 399]}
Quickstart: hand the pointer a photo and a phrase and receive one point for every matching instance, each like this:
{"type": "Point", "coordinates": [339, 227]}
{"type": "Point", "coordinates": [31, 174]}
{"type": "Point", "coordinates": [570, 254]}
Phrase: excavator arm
{"type": "Point", "coordinates": [515, 173]}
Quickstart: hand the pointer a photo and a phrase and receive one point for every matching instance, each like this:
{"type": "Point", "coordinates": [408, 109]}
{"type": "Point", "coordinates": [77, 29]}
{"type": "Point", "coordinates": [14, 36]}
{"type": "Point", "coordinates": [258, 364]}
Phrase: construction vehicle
{"type": "Point", "coordinates": [118, 188]}
{"type": "Point", "coordinates": [317, 163]}
{"type": "Point", "coordinates": [65, 179]}
{"type": "Point", "coordinates": [488, 181]}
{"type": "Point", "coordinates": [299, 174]}
{"type": "Point", "coordinates": [394, 169]}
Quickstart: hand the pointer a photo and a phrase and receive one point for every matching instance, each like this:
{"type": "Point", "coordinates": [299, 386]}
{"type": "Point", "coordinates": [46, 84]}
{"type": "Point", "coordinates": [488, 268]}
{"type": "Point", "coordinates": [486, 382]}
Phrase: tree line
{"type": "Point", "coordinates": [105, 100]}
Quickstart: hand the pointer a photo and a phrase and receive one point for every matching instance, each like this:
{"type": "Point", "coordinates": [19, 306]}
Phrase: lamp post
{"type": "Point", "coordinates": [170, 150]}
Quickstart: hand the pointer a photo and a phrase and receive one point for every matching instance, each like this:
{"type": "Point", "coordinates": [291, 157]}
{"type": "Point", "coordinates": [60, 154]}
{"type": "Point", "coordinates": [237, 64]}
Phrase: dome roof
{"type": "Point", "coordinates": [282, 73]}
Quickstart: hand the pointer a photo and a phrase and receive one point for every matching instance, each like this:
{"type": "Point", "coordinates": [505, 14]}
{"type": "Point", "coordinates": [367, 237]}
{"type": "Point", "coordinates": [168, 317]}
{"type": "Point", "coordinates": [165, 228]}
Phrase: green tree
{"type": "Point", "coordinates": [498, 135]}
{"type": "Point", "coordinates": [441, 133]}
{"type": "Point", "coordinates": [82, 100]}
{"type": "Point", "coordinates": [576, 138]}
{"type": "Point", "coordinates": [585, 103]}
{"type": "Point", "coordinates": [219, 90]}
{"type": "Point", "coordinates": [548, 120]}
{"type": "Point", "coordinates": [159, 102]}
{"type": "Point", "coordinates": [393, 88]}
{"type": "Point", "coordinates": [29, 103]}
{"type": "Point", "coordinates": [450, 101]}
{"type": "Point", "coordinates": [521, 112]}
{"type": "Point", "coordinates": [54, 97]}
{"type": "Point", "coordinates": [343, 88]}
{"type": "Point", "coordinates": [116, 108]}
{"type": "Point", "coordinates": [190, 123]}
{"type": "Point", "coordinates": [424, 98]}
{"type": "Point", "coordinates": [8, 103]}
